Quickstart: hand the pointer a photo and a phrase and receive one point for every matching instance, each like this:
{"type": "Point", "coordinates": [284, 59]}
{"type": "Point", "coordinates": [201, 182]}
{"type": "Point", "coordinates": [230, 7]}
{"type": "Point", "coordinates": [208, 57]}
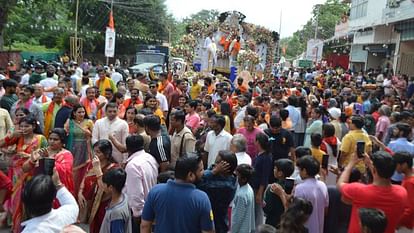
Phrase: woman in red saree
{"type": "Point", "coordinates": [27, 138]}
{"type": "Point", "coordinates": [91, 197]}
{"type": "Point", "coordinates": [63, 159]}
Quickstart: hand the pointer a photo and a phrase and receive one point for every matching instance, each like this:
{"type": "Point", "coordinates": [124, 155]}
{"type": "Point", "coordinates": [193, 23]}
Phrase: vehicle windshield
{"type": "Point", "coordinates": [150, 58]}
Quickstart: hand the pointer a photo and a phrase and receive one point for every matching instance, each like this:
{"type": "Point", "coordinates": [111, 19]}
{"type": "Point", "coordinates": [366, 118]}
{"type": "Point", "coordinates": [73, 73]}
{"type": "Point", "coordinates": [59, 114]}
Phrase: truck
{"type": "Point", "coordinates": [148, 57]}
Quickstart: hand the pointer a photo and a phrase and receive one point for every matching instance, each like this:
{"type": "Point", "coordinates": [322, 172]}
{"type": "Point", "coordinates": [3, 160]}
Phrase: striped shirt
{"type": "Point", "coordinates": [160, 148]}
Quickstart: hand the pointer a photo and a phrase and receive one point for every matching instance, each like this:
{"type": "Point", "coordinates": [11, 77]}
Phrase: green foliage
{"type": "Point", "coordinates": [52, 22]}
{"type": "Point", "coordinates": [327, 16]}
{"type": "Point", "coordinates": [203, 16]}
{"type": "Point", "coordinates": [33, 48]}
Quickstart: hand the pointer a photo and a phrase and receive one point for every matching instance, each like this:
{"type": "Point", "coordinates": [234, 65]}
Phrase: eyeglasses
{"type": "Point", "coordinates": [152, 86]}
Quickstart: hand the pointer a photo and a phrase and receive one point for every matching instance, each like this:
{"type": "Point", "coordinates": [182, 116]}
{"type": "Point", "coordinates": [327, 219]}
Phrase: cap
{"type": "Point", "coordinates": [335, 113]}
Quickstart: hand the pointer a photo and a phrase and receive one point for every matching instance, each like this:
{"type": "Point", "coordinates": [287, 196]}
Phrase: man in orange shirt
{"type": "Point", "coordinates": [234, 49]}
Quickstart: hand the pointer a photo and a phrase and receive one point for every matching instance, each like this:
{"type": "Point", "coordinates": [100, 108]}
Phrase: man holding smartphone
{"type": "Point", "coordinates": [350, 140]}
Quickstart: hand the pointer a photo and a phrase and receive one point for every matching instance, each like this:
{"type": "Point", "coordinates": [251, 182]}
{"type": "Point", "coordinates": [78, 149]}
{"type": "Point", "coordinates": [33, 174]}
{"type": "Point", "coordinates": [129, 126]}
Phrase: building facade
{"type": "Point", "coordinates": [383, 35]}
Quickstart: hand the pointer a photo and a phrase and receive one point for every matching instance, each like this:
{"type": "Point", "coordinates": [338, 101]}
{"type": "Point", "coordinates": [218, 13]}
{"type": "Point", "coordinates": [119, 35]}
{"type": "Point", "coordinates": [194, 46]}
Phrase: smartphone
{"type": "Point", "coordinates": [289, 183]}
{"type": "Point", "coordinates": [325, 159]}
{"type": "Point", "coordinates": [360, 149]}
{"type": "Point", "coordinates": [46, 166]}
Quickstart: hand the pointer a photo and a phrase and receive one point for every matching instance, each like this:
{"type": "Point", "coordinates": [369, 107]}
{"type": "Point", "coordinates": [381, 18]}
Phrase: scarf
{"type": "Point", "coordinates": [331, 141]}
{"type": "Point", "coordinates": [87, 104]}
{"type": "Point", "coordinates": [49, 118]}
{"type": "Point", "coordinates": [128, 102]}
{"type": "Point", "coordinates": [28, 103]}
{"type": "Point", "coordinates": [106, 84]}
{"type": "Point", "coordinates": [44, 99]}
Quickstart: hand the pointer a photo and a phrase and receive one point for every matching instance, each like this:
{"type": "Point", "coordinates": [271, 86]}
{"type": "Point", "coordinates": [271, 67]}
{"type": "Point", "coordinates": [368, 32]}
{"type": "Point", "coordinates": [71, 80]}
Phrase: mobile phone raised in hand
{"type": "Point", "coordinates": [360, 149]}
{"type": "Point", "coordinates": [325, 159]}
{"type": "Point", "coordinates": [289, 184]}
{"type": "Point", "coordinates": [46, 166]}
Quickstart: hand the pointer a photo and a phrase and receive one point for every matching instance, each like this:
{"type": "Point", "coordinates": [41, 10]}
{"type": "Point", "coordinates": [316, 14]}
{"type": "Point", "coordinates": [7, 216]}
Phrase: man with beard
{"type": "Point", "coordinates": [167, 202]}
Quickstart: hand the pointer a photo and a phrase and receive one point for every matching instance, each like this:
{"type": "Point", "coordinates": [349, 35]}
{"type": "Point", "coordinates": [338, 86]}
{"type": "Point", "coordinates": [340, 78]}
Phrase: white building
{"type": "Point", "coordinates": [383, 35]}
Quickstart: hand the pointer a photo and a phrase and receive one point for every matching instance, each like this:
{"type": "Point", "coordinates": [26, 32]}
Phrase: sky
{"type": "Point", "coordinates": [295, 13]}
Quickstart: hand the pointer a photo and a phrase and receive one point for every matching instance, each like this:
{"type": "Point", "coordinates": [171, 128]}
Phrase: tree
{"type": "Point", "coordinates": [203, 16]}
{"type": "Point", "coordinates": [5, 6]}
{"type": "Point", "coordinates": [52, 22]}
{"type": "Point", "coordinates": [326, 17]}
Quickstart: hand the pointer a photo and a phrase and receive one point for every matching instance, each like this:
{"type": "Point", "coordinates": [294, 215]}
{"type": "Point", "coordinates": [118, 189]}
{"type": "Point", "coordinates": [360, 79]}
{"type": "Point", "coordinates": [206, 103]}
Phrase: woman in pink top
{"type": "Point", "coordinates": [192, 119]}
{"type": "Point", "coordinates": [249, 131]}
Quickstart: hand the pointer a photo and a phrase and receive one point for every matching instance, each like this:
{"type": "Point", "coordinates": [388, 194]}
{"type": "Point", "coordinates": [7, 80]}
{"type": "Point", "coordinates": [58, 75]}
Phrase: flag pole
{"type": "Point", "coordinates": [112, 6]}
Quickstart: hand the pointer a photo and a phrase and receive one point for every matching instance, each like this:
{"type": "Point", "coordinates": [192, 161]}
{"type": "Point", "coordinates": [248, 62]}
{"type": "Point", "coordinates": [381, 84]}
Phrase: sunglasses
{"type": "Point", "coordinates": [152, 86]}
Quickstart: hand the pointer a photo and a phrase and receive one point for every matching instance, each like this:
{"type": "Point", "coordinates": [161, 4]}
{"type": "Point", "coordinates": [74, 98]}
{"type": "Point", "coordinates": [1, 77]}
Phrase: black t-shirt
{"type": "Point", "coordinates": [160, 148]}
{"type": "Point", "coordinates": [280, 143]}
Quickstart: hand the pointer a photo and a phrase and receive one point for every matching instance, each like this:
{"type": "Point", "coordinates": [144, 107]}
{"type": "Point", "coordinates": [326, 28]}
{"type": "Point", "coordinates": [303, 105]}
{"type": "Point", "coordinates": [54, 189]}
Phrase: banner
{"type": "Point", "coordinates": [110, 42]}
{"type": "Point", "coordinates": [314, 50]}
{"type": "Point", "coordinates": [110, 37]}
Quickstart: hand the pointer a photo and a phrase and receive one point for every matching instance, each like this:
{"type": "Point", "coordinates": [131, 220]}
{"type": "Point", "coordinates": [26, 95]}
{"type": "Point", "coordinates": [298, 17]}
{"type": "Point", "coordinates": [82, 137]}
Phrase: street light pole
{"type": "Point", "coordinates": [280, 31]}
{"type": "Point", "coordinates": [317, 21]}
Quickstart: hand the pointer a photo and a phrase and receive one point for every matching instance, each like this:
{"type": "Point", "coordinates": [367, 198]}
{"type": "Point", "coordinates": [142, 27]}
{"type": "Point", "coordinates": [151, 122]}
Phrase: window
{"type": "Point", "coordinates": [359, 8]}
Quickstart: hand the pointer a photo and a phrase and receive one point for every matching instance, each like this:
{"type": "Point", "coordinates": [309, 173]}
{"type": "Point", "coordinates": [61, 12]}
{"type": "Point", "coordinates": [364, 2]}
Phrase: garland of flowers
{"type": "Point", "coordinates": [185, 48]}
{"type": "Point", "coordinates": [249, 58]}
{"type": "Point", "coordinates": [262, 35]}
{"type": "Point", "coordinates": [258, 34]}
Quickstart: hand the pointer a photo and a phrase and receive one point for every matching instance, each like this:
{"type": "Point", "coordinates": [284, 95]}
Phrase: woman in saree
{"type": "Point", "coordinates": [79, 130]}
{"type": "Point", "coordinates": [19, 114]}
{"type": "Point", "coordinates": [27, 138]}
{"type": "Point", "coordinates": [63, 159]}
{"type": "Point", "coordinates": [91, 197]}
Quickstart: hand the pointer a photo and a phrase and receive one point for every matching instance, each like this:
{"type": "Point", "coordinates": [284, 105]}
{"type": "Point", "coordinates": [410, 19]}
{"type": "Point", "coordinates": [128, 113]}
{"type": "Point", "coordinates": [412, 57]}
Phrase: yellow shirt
{"type": "Point", "coordinates": [159, 113]}
{"type": "Point", "coordinates": [348, 146]}
{"type": "Point", "coordinates": [195, 91]}
{"type": "Point", "coordinates": [317, 154]}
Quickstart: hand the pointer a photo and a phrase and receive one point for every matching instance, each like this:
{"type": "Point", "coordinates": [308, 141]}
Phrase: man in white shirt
{"type": "Point", "coordinates": [242, 101]}
{"type": "Point", "coordinates": [39, 97]}
{"type": "Point", "coordinates": [238, 146]}
{"type": "Point", "coordinates": [26, 76]}
{"type": "Point", "coordinates": [38, 197]}
{"type": "Point", "coordinates": [217, 139]}
{"type": "Point", "coordinates": [116, 76]}
{"type": "Point", "coordinates": [48, 84]}
{"type": "Point", "coordinates": [162, 100]}
{"type": "Point", "coordinates": [111, 125]}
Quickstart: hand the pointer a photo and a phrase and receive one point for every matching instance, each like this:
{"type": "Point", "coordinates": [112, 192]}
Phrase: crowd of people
{"type": "Point", "coordinates": [318, 151]}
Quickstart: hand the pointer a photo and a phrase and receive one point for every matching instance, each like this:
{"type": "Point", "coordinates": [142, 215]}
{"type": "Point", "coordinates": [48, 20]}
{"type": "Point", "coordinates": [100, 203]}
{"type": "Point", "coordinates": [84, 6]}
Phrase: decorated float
{"type": "Point", "coordinates": [228, 45]}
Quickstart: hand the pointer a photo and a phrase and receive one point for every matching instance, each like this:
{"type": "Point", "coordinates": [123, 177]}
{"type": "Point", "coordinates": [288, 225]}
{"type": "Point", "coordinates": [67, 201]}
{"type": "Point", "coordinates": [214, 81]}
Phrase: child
{"type": "Point", "coordinates": [118, 216]}
{"type": "Point", "coordinates": [275, 197]}
{"type": "Point", "coordinates": [372, 220]}
{"type": "Point", "coordinates": [316, 141]}
{"type": "Point", "coordinates": [242, 215]}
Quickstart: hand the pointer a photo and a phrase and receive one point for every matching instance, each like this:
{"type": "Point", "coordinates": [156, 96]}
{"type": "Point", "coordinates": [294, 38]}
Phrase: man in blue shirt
{"type": "Point", "coordinates": [401, 144]}
{"type": "Point", "coordinates": [178, 206]}
{"type": "Point", "coordinates": [220, 184]}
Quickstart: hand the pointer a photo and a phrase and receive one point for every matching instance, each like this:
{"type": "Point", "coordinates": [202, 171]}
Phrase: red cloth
{"type": "Point", "coordinates": [391, 200]}
{"type": "Point", "coordinates": [5, 184]}
{"type": "Point", "coordinates": [408, 216]}
{"type": "Point", "coordinates": [376, 116]}
{"type": "Point", "coordinates": [64, 165]}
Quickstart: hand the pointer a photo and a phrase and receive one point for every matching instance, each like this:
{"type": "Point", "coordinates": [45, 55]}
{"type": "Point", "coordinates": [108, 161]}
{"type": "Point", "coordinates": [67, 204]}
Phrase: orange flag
{"type": "Point", "coordinates": [111, 23]}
